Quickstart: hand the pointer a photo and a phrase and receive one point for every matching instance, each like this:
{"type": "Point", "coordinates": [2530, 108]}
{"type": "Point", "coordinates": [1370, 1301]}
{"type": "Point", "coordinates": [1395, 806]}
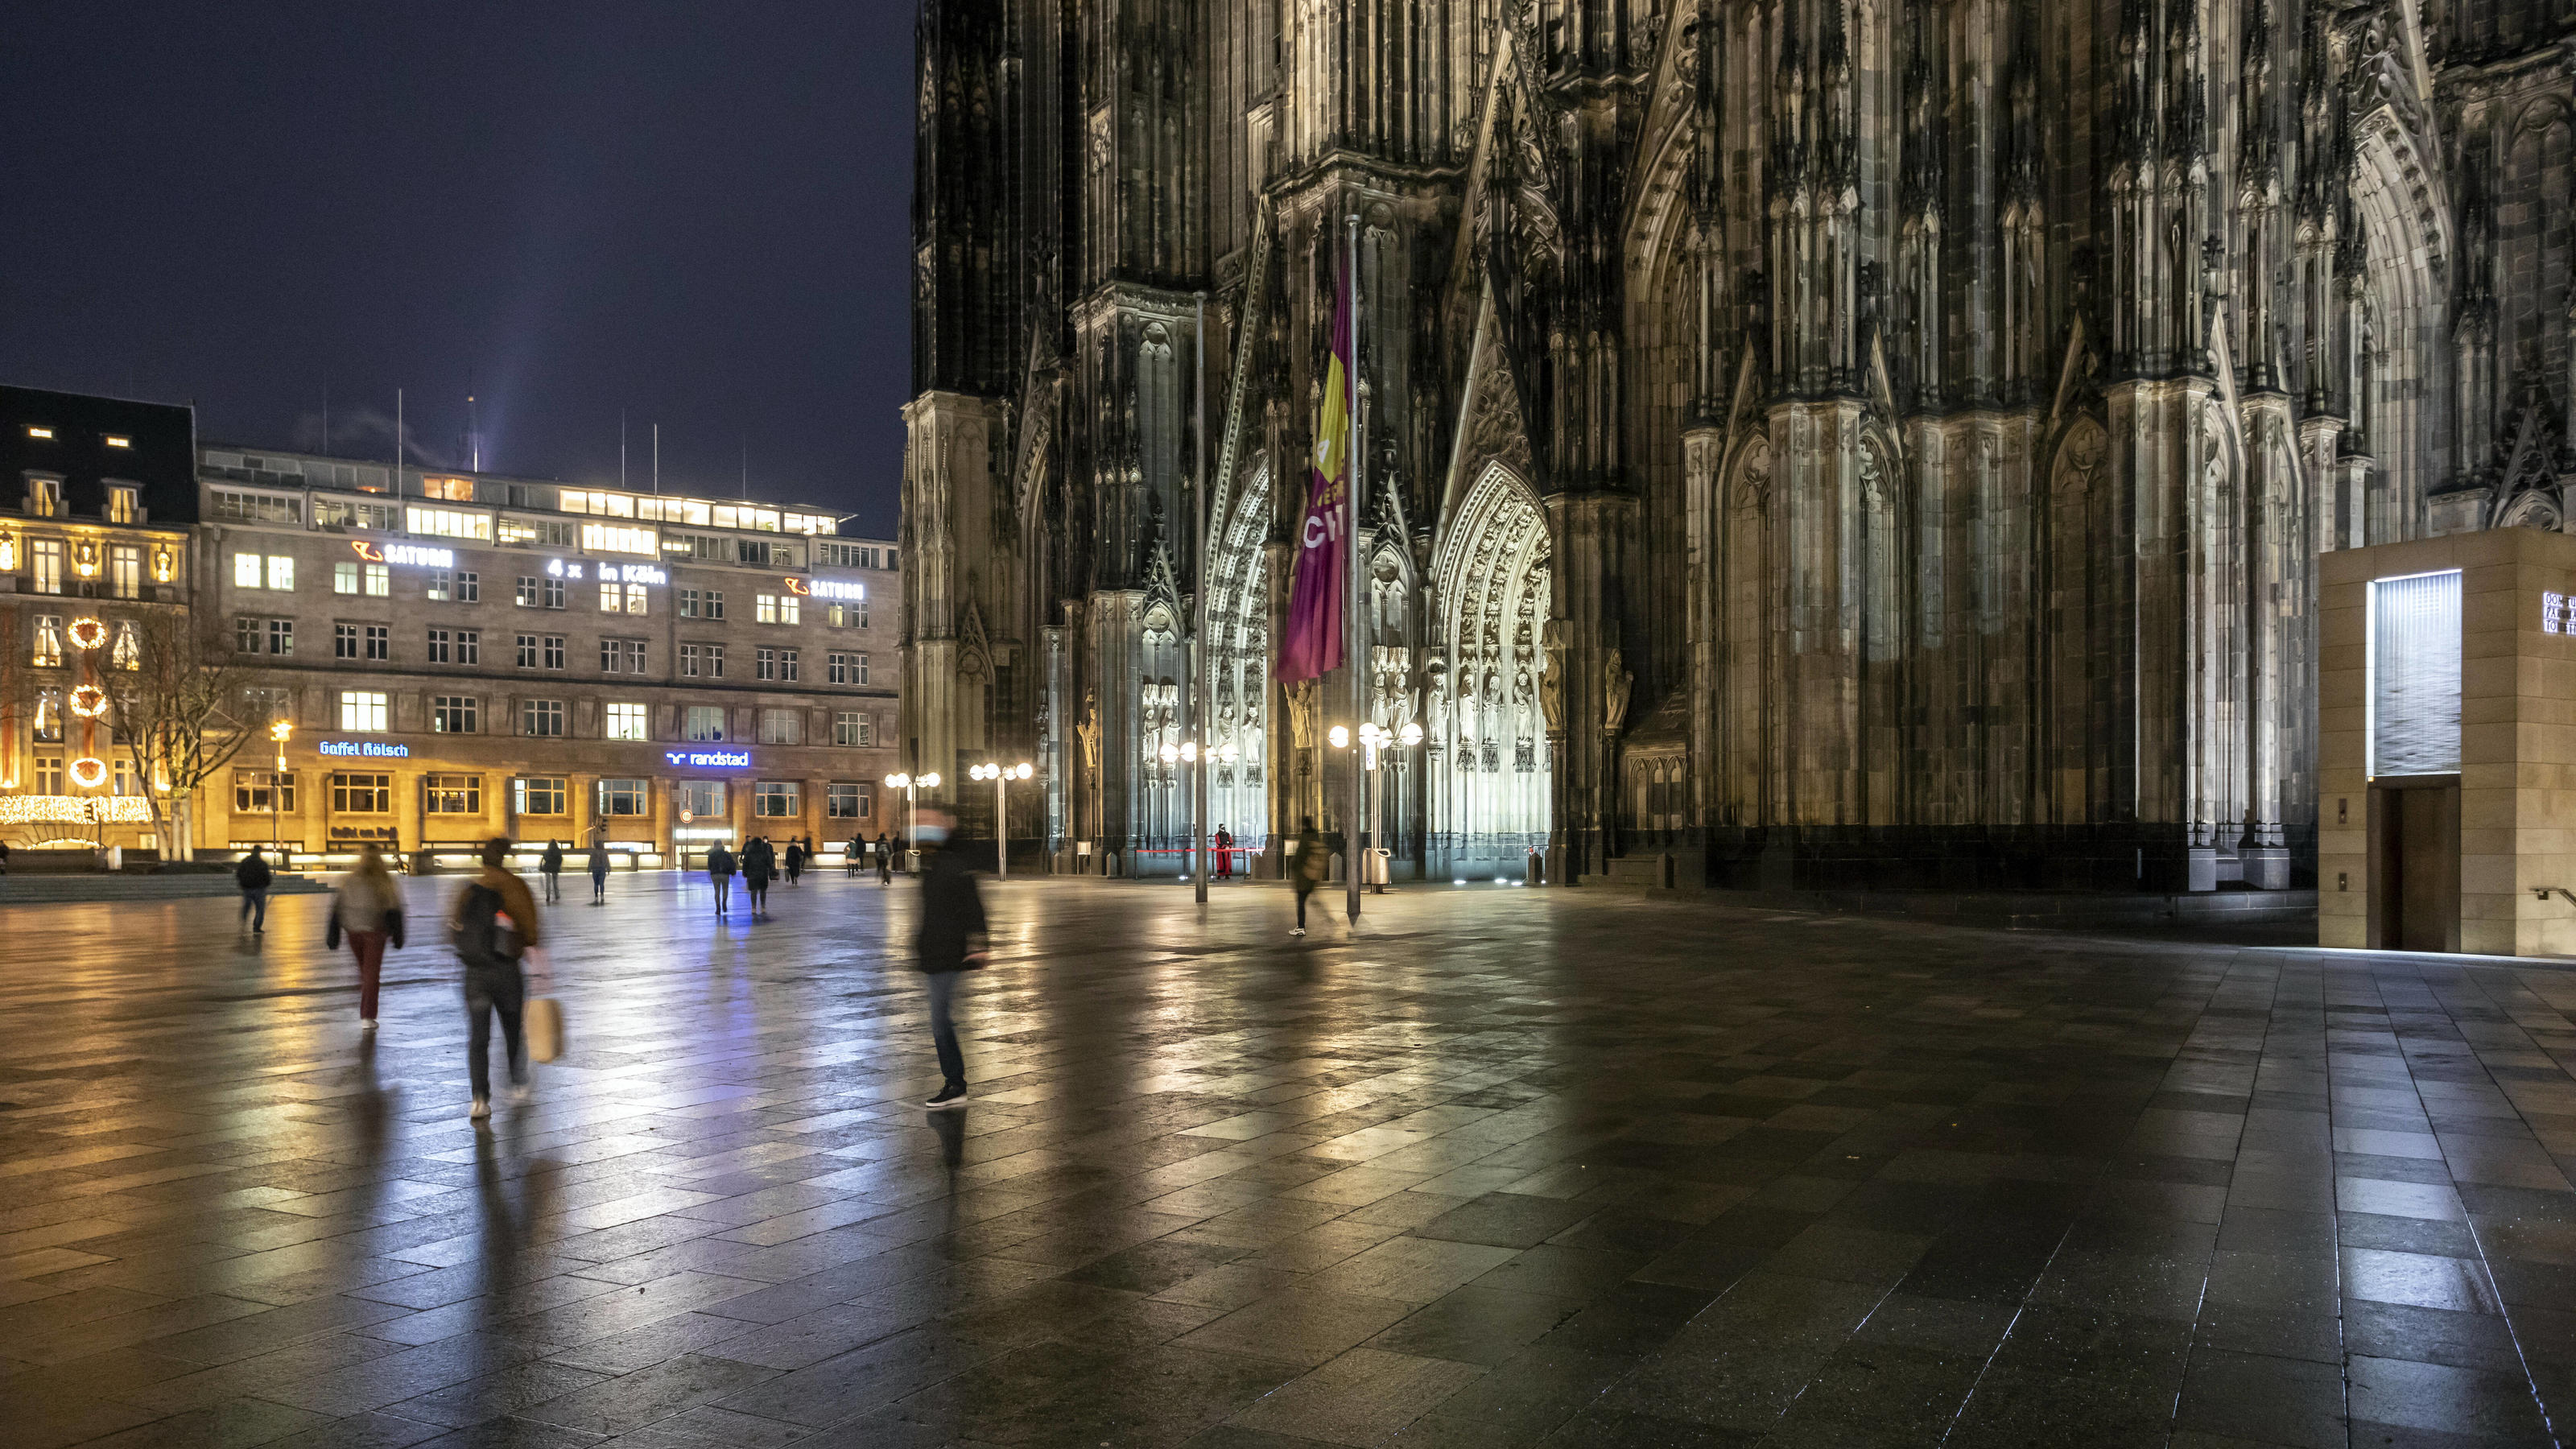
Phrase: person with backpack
{"type": "Point", "coordinates": [599, 872]}
{"type": "Point", "coordinates": [795, 859]}
{"type": "Point", "coordinates": [720, 868]}
{"type": "Point", "coordinates": [885, 860]}
{"type": "Point", "coordinates": [759, 863]}
{"type": "Point", "coordinates": [493, 926]}
{"type": "Point", "coordinates": [254, 877]}
{"type": "Point", "coordinates": [1306, 869]}
{"type": "Point", "coordinates": [551, 866]}
{"type": "Point", "coordinates": [948, 942]}
{"type": "Point", "coordinates": [368, 908]}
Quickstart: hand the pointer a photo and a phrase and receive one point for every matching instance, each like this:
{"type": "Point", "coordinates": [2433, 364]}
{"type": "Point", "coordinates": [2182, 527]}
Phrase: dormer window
{"type": "Point", "coordinates": [124, 503]}
{"type": "Point", "coordinates": [35, 431]}
{"type": "Point", "coordinates": [116, 441]}
{"type": "Point", "coordinates": [45, 497]}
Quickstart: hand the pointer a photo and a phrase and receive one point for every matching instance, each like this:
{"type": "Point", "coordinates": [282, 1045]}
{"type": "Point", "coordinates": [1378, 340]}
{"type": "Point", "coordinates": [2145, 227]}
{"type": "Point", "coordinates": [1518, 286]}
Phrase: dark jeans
{"type": "Point", "coordinates": [599, 885]}
{"type": "Point", "coordinates": [554, 886]}
{"type": "Point", "coordinates": [758, 887]}
{"type": "Point", "coordinates": [490, 989]}
{"type": "Point", "coordinates": [255, 909]}
{"type": "Point", "coordinates": [943, 1026]}
{"type": "Point", "coordinates": [724, 890]}
{"type": "Point", "coordinates": [1301, 908]}
{"type": "Point", "coordinates": [369, 948]}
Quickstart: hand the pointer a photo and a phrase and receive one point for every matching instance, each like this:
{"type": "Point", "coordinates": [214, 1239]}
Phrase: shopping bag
{"type": "Point", "coordinates": [545, 1028]}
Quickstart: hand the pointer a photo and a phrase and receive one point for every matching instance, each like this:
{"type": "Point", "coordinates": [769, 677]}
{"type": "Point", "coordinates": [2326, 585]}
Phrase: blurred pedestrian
{"type": "Point", "coordinates": [759, 863]}
{"type": "Point", "coordinates": [948, 942]}
{"type": "Point", "coordinates": [551, 866]}
{"type": "Point", "coordinates": [493, 925]}
{"type": "Point", "coordinates": [795, 859]}
{"type": "Point", "coordinates": [254, 877]}
{"type": "Point", "coordinates": [599, 872]}
{"type": "Point", "coordinates": [1224, 854]}
{"type": "Point", "coordinates": [720, 868]}
{"type": "Point", "coordinates": [885, 860]}
{"type": "Point", "coordinates": [368, 907]}
{"type": "Point", "coordinates": [1307, 869]}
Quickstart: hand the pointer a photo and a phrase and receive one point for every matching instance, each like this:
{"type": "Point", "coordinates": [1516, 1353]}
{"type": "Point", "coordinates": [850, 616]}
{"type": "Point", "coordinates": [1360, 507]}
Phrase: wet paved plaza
{"type": "Point", "coordinates": [1511, 1167]}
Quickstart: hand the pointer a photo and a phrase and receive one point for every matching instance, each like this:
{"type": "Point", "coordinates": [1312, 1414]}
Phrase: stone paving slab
{"type": "Point", "coordinates": [1504, 1167]}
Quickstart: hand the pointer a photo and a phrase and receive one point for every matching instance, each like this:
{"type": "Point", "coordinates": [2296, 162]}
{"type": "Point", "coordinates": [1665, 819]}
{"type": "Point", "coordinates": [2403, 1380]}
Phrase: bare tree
{"type": "Point", "coordinates": [179, 703]}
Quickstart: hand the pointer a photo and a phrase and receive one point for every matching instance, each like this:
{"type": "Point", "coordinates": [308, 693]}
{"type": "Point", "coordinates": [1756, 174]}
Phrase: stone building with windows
{"type": "Point", "coordinates": [98, 502]}
{"type": "Point", "coordinates": [1835, 442]}
{"type": "Point", "coordinates": [461, 656]}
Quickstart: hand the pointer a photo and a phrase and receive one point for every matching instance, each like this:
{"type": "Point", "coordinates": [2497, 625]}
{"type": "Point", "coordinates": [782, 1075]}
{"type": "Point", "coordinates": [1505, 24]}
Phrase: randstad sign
{"type": "Point", "coordinates": [709, 759]}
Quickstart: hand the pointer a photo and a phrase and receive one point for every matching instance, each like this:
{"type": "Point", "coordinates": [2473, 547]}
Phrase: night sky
{"type": "Point", "coordinates": [694, 212]}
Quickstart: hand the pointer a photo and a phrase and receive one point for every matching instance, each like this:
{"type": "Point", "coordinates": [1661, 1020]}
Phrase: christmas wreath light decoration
{"type": "Point", "coordinates": [89, 771]}
{"type": "Point", "coordinates": [89, 701]}
{"type": "Point", "coordinates": [88, 633]}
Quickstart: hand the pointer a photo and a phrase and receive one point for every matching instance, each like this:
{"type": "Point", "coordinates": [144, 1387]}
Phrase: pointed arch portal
{"type": "Point", "coordinates": [1486, 757]}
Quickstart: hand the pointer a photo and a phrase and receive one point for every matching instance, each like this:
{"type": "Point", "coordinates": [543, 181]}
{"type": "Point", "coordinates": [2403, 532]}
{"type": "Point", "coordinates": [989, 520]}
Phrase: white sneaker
{"type": "Point", "coordinates": [522, 1092]}
{"type": "Point", "coordinates": [482, 1108]}
{"type": "Point", "coordinates": [1296, 930]}
{"type": "Point", "coordinates": [366, 1023]}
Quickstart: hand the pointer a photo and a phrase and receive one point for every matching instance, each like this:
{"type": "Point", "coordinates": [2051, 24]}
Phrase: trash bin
{"type": "Point", "coordinates": [1376, 861]}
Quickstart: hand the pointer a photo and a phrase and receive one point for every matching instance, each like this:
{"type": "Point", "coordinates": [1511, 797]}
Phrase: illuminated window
{"type": "Point", "coordinates": [622, 797]}
{"type": "Point", "coordinates": [362, 711]}
{"type": "Point", "coordinates": [233, 507]}
{"type": "Point", "coordinates": [453, 490]}
{"type": "Point", "coordinates": [128, 651]}
{"type": "Point", "coordinates": [115, 440]}
{"type": "Point", "coordinates": [635, 599]}
{"type": "Point", "coordinates": [263, 792]}
{"type": "Point", "coordinates": [451, 794]}
{"type": "Point", "coordinates": [782, 726]}
{"type": "Point", "coordinates": [245, 570]}
{"type": "Point", "coordinates": [544, 717]}
{"type": "Point", "coordinates": [614, 538]}
{"type": "Point", "coordinates": [125, 570]}
{"type": "Point", "coordinates": [49, 720]}
{"type": "Point", "coordinates": [775, 608]}
{"type": "Point", "coordinates": [612, 598]}
{"type": "Point", "coordinates": [626, 722]}
{"type": "Point", "coordinates": [281, 572]}
{"type": "Point", "coordinates": [49, 773]}
{"type": "Point", "coordinates": [448, 523]}
{"type": "Point", "coordinates": [455, 714]}
{"type": "Point", "coordinates": [537, 796]}
{"type": "Point", "coordinates": [705, 723]}
{"type": "Point", "coordinates": [47, 556]}
{"type": "Point", "coordinates": [777, 799]}
{"type": "Point", "coordinates": [344, 578]}
{"type": "Point", "coordinates": [37, 431]}
{"type": "Point", "coordinates": [45, 497]}
{"type": "Point", "coordinates": [124, 503]}
{"type": "Point", "coordinates": [362, 794]}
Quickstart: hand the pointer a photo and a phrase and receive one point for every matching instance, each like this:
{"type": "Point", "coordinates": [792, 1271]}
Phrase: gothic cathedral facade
{"type": "Point", "coordinates": [1831, 442]}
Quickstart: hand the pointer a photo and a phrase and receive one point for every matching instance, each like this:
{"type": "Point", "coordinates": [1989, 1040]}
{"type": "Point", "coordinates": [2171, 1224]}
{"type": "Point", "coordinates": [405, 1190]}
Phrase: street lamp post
{"type": "Point", "coordinates": [1001, 775]}
{"type": "Point", "coordinates": [908, 784]}
{"type": "Point", "coordinates": [277, 731]}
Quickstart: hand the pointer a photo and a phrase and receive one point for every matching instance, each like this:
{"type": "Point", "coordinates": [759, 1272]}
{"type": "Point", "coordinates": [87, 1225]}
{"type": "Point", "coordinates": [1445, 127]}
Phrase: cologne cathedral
{"type": "Point", "coordinates": [1823, 442]}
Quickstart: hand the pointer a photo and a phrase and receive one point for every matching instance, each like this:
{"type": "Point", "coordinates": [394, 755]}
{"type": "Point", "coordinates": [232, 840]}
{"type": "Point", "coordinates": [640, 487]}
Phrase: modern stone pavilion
{"type": "Point", "coordinates": [2447, 750]}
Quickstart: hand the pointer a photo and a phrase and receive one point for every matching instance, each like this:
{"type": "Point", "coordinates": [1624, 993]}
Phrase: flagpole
{"type": "Point", "coordinates": [1353, 470]}
{"type": "Point", "coordinates": [1201, 704]}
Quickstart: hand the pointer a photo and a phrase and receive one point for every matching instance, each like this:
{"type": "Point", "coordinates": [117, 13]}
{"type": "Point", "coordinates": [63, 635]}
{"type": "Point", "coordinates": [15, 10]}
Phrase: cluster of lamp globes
{"type": "Point", "coordinates": [1373, 738]}
{"type": "Point", "coordinates": [1020, 771]}
{"type": "Point", "coordinates": [1224, 754]}
{"type": "Point", "coordinates": [902, 781]}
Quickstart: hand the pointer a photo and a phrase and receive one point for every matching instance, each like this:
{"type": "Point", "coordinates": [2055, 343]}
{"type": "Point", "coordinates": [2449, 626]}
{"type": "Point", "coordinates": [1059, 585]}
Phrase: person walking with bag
{"type": "Point", "coordinates": [759, 863]}
{"type": "Point", "coordinates": [598, 873]}
{"type": "Point", "coordinates": [551, 867]}
{"type": "Point", "coordinates": [948, 943]}
{"type": "Point", "coordinates": [493, 925]}
{"type": "Point", "coordinates": [1307, 868]}
{"type": "Point", "coordinates": [368, 908]}
{"type": "Point", "coordinates": [254, 878]}
{"type": "Point", "coordinates": [720, 867]}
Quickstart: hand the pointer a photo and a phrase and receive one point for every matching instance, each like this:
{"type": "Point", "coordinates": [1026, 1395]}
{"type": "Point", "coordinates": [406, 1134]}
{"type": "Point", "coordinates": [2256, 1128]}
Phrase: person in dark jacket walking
{"type": "Point", "coordinates": [795, 859]}
{"type": "Point", "coordinates": [720, 869]}
{"type": "Point", "coordinates": [551, 866]}
{"type": "Point", "coordinates": [1306, 869]}
{"type": "Point", "coordinates": [885, 860]}
{"type": "Point", "coordinates": [599, 873]}
{"type": "Point", "coordinates": [254, 878]}
{"type": "Point", "coordinates": [759, 863]}
{"type": "Point", "coordinates": [494, 923]}
{"type": "Point", "coordinates": [948, 942]}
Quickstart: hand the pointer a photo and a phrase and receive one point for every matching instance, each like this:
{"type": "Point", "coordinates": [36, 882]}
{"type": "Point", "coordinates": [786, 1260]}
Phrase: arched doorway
{"type": "Point", "coordinates": [1486, 757]}
{"type": "Point", "coordinates": [1238, 655]}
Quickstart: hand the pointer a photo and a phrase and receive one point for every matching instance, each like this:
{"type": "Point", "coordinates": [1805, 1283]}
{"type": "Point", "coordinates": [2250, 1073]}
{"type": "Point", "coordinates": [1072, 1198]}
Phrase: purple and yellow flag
{"type": "Point", "coordinates": [1313, 641]}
